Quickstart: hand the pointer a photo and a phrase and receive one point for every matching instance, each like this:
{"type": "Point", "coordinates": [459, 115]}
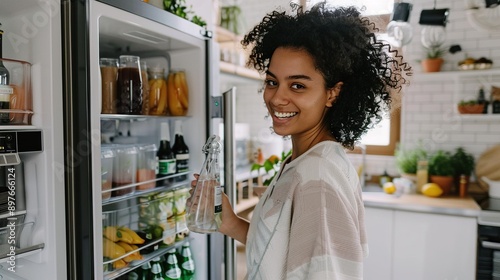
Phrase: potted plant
{"type": "Point", "coordinates": [463, 163]}
{"type": "Point", "coordinates": [271, 166]}
{"type": "Point", "coordinates": [470, 107]}
{"type": "Point", "coordinates": [434, 59]}
{"type": "Point", "coordinates": [407, 161]}
{"type": "Point", "coordinates": [441, 170]}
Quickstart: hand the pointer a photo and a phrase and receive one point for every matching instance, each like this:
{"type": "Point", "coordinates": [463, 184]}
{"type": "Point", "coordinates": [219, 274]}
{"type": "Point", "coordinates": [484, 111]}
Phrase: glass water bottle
{"type": "Point", "coordinates": [206, 202]}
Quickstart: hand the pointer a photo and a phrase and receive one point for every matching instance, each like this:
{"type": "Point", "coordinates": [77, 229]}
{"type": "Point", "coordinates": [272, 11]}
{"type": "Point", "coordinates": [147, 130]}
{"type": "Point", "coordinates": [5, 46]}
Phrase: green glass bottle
{"type": "Point", "coordinates": [187, 263]}
{"type": "Point", "coordinates": [172, 270]}
{"type": "Point", "coordinates": [145, 271]}
{"type": "Point", "coordinates": [156, 269]}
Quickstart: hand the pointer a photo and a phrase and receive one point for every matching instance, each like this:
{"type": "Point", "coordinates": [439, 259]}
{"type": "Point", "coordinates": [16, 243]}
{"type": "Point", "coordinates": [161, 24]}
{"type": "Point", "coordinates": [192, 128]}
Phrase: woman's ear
{"type": "Point", "coordinates": [333, 93]}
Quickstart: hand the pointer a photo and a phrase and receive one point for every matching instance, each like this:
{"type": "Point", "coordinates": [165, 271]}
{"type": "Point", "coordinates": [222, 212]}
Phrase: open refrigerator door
{"type": "Point", "coordinates": [164, 41]}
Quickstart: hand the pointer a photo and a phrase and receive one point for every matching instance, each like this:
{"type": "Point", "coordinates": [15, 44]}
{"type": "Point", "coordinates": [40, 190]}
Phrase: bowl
{"type": "Point", "coordinates": [482, 66]}
{"type": "Point", "coordinates": [464, 66]}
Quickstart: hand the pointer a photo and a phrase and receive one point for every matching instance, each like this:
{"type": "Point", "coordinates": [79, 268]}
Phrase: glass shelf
{"type": "Point", "coordinates": [170, 186]}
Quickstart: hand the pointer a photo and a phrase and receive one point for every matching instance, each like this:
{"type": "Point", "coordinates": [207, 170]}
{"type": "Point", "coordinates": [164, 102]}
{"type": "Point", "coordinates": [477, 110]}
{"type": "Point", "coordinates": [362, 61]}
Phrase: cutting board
{"type": "Point", "coordinates": [488, 165]}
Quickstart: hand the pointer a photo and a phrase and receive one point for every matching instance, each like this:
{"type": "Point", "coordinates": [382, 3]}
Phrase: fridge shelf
{"type": "Point", "coordinates": [15, 239]}
{"type": "Point", "coordinates": [118, 117]}
{"type": "Point", "coordinates": [170, 186]}
{"type": "Point", "coordinates": [146, 258]}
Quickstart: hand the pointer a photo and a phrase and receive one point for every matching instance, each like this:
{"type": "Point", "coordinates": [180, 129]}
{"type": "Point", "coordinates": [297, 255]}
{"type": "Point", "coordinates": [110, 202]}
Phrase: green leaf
{"type": "Point", "coordinates": [268, 166]}
{"type": "Point", "coordinates": [256, 166]}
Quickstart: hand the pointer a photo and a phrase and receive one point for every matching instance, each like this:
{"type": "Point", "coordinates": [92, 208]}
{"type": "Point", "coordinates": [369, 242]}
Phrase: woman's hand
{"type": "Point", "coordinates": [231, 225]}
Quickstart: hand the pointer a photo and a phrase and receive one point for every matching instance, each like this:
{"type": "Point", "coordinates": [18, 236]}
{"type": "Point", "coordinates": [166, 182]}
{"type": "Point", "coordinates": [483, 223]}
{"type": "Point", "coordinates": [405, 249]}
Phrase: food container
{"type": "Point", "coordinates": [180, 198]}
{"type": "Point", "coordinates": [124, 170]}
{"type": "Point", "coordinates": [16, 100]}
{"type": "Point", "coordinates": [107, 157]}
{"type": "Point", "coordinates": [109, 78]}
{"type": "Point", "coordinates": [147, 166]}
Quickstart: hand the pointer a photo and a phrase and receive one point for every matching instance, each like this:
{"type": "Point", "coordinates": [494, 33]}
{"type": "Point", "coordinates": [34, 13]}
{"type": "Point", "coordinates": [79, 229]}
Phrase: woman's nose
{"type": "Point", "coordinates": [279, 96]}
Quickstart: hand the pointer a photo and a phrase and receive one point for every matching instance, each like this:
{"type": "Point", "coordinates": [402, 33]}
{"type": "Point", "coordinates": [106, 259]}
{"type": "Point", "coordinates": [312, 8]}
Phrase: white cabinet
{"type": "Point", "coordinates": [416, 245]}
{"type": "Point", "coordinates": [380, 230]}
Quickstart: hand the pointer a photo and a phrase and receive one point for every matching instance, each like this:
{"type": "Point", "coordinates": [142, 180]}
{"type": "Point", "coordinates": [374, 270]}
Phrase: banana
{"type": "Point", "coordinates": [112, 233]}
{"type": "Point", "coordinates": [136, 239]}
{"type": "Point", "coordinates": [174, 105]}
{"type": "Point", "coordinates": [125, 236]}
{"type": "Point", "coordinates": [112, 250]}
{"type": "Point", "coordinates": [128, 248]}
{"type": "Point", "coordinates": [119, 264]}
{"type": "Point", "coordinates": [162, 103]}
{"type": "Point", "coordinates": [182, 91]}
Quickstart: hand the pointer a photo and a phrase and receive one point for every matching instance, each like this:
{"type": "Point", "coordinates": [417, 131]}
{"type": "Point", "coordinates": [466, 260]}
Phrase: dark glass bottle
{"type": "Point", "coordinates": [181, 152]}
{"type": "Point", "coordinates": [172, 270]}
{"type": "Point", "coordinates": [5, 89]}
{"type": "Point", "coordinates": [187, 263]}
{"type": "Point", "coordinates": [166, 157]}
{"type": "Point", "coordinates": [481, 99]}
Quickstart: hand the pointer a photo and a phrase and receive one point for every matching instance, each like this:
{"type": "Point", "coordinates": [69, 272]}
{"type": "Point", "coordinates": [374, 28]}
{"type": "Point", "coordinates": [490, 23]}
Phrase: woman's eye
{"type": "Point", "coordinates": [297, 86]}
{"type": "Point", "coordinates": [270, 83]}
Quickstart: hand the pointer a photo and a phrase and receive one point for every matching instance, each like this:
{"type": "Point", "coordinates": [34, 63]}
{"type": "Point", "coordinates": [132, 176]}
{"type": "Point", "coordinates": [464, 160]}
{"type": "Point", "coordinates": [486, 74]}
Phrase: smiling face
{"type": "Point", "coordinates": [296, 97]}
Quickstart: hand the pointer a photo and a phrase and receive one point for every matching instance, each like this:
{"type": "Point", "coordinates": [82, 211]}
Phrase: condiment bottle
{"type": "Point", "coordinates": [166, 158]}
{"type": "Point", "coordinates": [181, 152]}
{"type": "Point", "coordinates": [422, 174]}
{"type": "Point", "coordinates": [204, 213]}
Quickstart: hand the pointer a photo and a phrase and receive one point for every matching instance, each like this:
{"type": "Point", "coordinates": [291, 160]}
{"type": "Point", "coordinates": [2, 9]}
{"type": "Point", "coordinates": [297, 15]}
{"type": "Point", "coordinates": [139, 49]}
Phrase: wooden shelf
{"type": "Point", "coordinates": [223, 35]}
{"type": "Point", "coordinates": [240, 71]}
{"type": "Point", "coordinates": [480, 117]}
{"type": "Point", "coordinates": [447, 75]}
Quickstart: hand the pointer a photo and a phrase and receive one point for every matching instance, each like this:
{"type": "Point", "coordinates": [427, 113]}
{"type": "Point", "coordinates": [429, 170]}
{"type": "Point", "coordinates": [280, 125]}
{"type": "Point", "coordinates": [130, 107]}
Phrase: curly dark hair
{"type": "Point", "coordinates": [345, 49]}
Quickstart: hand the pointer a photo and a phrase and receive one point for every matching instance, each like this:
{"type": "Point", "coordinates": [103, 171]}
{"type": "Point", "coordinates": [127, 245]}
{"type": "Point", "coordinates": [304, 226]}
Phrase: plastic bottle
{"type": "Point", "coordinates": [203, 216]}
{"type": "Point", "coordinates": [187, 263]}
{"type": "Point", "coordinates": [181, 152]}
{"type": "Point", "coordinates": [166, 158]}
{"type": "Point", "coordinates": [172, 270]}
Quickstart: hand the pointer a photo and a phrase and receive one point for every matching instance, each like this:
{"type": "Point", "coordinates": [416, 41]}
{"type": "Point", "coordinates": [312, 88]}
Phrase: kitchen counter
{"type": "Point", "coordinates": [455, 206]}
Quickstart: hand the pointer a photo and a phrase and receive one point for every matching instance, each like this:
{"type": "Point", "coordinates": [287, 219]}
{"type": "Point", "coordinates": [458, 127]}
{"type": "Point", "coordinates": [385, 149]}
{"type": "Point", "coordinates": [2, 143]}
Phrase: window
{"type": "Point", "coordinates": [383, 138]}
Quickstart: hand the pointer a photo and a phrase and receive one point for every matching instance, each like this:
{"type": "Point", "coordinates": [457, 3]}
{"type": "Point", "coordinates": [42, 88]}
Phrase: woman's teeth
{"type": "Point", "coordinates": [284, 115]}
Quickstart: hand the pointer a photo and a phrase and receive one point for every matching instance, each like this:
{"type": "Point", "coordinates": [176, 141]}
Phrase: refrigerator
{"type": "Point", "coordinates": [63, 41]}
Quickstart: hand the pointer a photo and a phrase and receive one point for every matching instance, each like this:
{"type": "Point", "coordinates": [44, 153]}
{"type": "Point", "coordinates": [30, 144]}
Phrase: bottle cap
{"type": "Point", "coordinates": [164, 131]}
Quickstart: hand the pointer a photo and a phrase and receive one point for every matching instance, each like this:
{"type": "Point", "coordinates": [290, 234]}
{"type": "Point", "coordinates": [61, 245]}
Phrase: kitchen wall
{"type": "Point", "coordinates": [427, 106]}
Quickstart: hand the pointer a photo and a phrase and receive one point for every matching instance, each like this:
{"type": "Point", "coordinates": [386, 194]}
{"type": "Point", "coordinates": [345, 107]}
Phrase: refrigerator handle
{"type": "Point", "coordinates": [229, 171]}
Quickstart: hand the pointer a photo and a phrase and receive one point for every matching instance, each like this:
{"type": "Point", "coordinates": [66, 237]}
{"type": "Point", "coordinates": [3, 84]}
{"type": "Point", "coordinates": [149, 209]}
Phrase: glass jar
{"type": "Point", "coordinates": [145, 88]}
{"type": "Point", "coordinates": [178, 93]}
{"type": "Point", "coordinates": [109, 78]}
{"type": "Point", "coordinates": [129, 86]}
{"type": "Point", "coordinates": [157, 92]}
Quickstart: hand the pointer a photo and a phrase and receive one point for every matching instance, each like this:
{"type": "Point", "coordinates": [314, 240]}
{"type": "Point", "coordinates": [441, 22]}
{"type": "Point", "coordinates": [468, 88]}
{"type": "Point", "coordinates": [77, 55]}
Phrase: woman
{"type": "Point", "coordinates": [327, 79]}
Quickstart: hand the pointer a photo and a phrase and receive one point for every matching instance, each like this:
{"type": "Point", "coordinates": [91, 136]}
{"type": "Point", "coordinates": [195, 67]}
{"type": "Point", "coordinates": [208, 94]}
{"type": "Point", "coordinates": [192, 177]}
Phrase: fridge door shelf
{"type": "Point", "coordinates": [168, 186]}
{"type": "Point", "coordinates": [16, 242]}
{"type": "Point", "coordinates": [138, 263]}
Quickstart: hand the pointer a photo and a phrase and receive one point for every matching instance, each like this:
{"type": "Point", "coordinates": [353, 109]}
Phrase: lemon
{"type": "Point", "coordinates": [389, 187]}
{"type": "Point", "coordinates": [432, 190]}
